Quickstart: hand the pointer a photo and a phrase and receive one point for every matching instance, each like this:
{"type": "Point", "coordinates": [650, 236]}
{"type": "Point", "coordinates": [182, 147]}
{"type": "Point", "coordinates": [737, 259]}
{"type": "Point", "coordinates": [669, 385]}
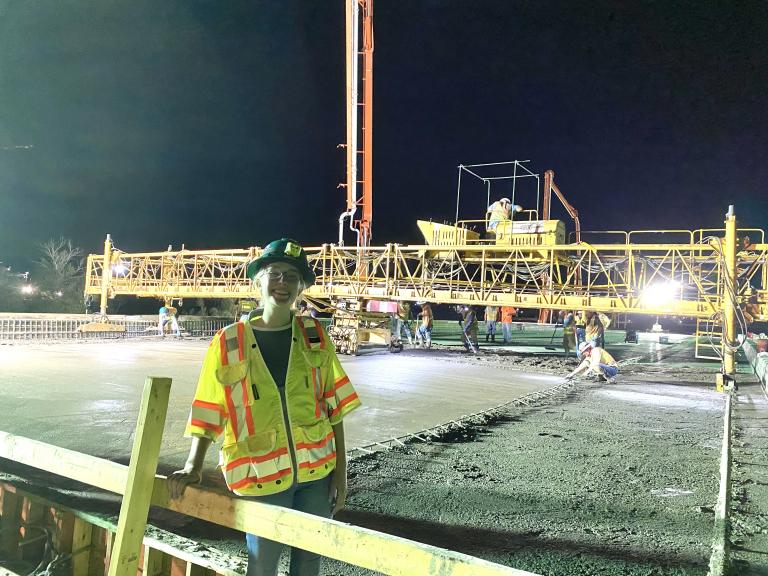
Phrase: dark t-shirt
{"type": "Point", "coordinates": [275, 348]}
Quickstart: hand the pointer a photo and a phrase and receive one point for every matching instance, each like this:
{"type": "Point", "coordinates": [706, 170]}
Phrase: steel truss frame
{"type": "Point", "coordinates": [601, 277]}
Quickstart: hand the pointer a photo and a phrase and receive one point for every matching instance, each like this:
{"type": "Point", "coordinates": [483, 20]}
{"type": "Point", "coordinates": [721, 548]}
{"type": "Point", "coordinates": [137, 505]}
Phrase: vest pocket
{"type": "Point", "coordinates": [315, 449]}
{"type": "Point", "coordinates": [232, 373]}
{"type": "Point", "coordinates": [254, 459]}
{"type": "Point", "coordinates": [314, 432]}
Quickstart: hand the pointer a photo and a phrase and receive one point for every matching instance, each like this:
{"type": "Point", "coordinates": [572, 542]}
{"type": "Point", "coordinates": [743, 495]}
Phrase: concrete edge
{"type": "Point", "coordinates": [758, 361]}
{"type": "Point", "coordinates": [720, 558]}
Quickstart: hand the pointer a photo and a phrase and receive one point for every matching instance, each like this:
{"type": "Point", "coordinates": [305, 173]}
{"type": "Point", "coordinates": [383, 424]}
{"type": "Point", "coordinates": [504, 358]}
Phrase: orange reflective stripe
{"type": "Point", "coordinates": [303, 332]}
{"type": "Point", "coordinates": [241, 340]}
{"type": "Point", "coordinates": [232, 412]}
{"type": "Point", "coordinates": [340, 382]}
{"type": "Point", "coordinates": [317, 463]}
{"type": "Point", "coordinates": [320, 333]}
{"type": "Point", "coordinates": [351, 398]}
{"type": "Point", "coordinates": [238, 462]}
{"type": "Point", "coordinates": [208, 405]}
{"type": "Point", "coordinates": [318, 444]}
{"type": "Point", "coordinates": [248, 414]}
{"type": "Point", "coordinates": [223, 348]}
{"type": "Point", "coordinates": [257, 459]}
{"type": "Point", "coordinates": [254, 480]}
{"type": "Point", "coordinates": [206, 425]}
{"type": "Point", "coordinates": [314, 392]}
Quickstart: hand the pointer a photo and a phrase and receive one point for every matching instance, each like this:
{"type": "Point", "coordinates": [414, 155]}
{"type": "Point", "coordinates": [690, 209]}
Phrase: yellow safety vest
{"type": "Point", "coordinates": [237, 397]}
{"type": "Point", "coordinates": [498, 214]}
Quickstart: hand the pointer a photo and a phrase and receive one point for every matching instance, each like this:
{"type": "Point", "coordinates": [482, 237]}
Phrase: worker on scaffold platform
{"type": "Point", "coordinates": [499, 211]}
{"type": "Point", "coordinates": [274, 388]}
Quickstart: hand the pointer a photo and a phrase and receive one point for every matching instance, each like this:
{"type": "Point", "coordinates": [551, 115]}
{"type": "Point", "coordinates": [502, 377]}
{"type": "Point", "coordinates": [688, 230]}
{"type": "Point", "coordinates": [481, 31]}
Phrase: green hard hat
{"type": "Point", "coordinates": [283, 250]}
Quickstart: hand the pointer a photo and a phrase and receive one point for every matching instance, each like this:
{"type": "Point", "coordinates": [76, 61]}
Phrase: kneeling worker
{"type": "Point", "coordinates": [595, 360]}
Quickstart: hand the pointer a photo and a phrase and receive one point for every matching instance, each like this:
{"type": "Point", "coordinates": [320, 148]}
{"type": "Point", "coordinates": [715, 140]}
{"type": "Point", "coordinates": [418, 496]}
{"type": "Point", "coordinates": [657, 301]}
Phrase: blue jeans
{"type": "Point", "coordinates": [264, 555]}
{"type": "Point", "coordinates": [581, 336]}
{"type": "Point", "coordinates": [609, 371]}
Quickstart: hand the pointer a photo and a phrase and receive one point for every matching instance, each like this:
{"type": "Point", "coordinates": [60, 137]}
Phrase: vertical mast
{"type": "Point", "coordinates": [359, 119]}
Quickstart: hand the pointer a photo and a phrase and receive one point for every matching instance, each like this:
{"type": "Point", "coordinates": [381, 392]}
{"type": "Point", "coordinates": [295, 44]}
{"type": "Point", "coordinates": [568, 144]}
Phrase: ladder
{"type": "Point", "coordinates": [709, 339]}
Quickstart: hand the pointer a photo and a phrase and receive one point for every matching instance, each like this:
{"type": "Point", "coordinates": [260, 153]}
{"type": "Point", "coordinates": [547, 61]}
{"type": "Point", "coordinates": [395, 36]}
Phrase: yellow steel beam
{"type": "Point", "coordinates": [607, 277]}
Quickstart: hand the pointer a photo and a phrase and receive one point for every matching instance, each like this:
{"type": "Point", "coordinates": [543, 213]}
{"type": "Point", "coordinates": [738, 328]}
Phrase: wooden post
{"type": "Point", "coordinates": [81, 546]}
{"type": "Point", "coordinates": [124, 558]}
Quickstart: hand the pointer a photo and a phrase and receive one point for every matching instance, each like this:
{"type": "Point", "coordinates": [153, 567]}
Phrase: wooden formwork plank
{"type": "Point", "coordinates": [64, 524]}
{"type": "Point", "coordinates": [359, 546]}
{"type": "Point", "coordinates": [155, 562]}
{"type": "Point", "coordinates": [32, 531]}
{"type": "Point", "coordinates": [178, 567]}
{"type": "Point", "coordinates": [10, 521]}
{"type": "Point", "coordinates": [132, 523]}
{"type": "Point", "coordinates": [195, 570]}
{"type": "Point", "coordinates": [81, 546]}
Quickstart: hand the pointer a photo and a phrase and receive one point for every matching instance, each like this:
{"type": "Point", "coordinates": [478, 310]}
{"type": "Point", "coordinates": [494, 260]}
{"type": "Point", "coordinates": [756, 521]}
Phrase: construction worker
{"type": "Point", "coordinates": [491, 317]}
{"type": "Point", "coordinates": [425, 328]}
{"type": "Point", "coordinates": [274, 388]}
{"type": "Point", "coordinates": [400, 322]}
{"type": "Point", "coordinates": [580, 321]}
{"type": "Point", "coordinates": [594, 331]}
{"type": "Point", "coordinates": [595, 361]}
{"type": "Point", "coordinates": [508, 314]}
{"type": "Point", "coordinates": [569, 331]}
{"type": "Point", "coordinates": [499, 211]}
{"type": "Point", "coordinates": [469, 329]}
{"type": "Point", "coordinates": [167, 314]}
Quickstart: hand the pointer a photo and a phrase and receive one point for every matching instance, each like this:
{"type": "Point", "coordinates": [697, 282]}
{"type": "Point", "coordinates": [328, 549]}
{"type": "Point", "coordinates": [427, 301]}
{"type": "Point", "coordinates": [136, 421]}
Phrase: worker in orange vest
{"type": "Point", "coordinates": [508, 314]}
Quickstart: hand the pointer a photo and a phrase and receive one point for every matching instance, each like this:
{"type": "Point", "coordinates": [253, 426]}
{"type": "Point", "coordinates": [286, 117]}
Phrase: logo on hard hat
{"type": "Point", "coordinates": [293, 250]}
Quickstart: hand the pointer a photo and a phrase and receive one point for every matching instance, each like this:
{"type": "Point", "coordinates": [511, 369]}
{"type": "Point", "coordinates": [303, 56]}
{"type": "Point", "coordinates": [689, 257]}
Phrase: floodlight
{"type": "Point", "coordinates": [660, 293]}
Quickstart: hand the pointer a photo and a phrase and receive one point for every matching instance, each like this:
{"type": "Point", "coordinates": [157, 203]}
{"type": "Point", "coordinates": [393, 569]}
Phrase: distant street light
{"type": "Point", "coordinates": [28, 289]}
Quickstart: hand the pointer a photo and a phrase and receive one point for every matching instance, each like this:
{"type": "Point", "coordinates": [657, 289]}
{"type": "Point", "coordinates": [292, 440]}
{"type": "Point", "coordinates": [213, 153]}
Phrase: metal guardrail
{"type": "Point", "coordinates": [55, 327]}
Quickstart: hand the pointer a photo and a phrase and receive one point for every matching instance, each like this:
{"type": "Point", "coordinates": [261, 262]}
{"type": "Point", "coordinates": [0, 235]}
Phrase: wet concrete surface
{"type": "Point", "coordinates": [85, 395]}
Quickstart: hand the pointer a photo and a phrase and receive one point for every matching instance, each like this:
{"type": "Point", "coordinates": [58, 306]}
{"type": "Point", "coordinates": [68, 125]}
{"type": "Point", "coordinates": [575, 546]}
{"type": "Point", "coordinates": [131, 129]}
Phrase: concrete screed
{"type": "Point", "coordinates": [607, 479]}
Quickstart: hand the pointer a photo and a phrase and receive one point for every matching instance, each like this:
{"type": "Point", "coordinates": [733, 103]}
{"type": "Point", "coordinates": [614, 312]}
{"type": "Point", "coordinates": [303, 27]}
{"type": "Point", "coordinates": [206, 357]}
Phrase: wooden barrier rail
{"type": "Point", "coordinates": [351, 544]}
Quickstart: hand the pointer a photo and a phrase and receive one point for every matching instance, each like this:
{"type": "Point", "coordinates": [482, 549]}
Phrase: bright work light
{"type": "Point", "coordinates": [661, 293]}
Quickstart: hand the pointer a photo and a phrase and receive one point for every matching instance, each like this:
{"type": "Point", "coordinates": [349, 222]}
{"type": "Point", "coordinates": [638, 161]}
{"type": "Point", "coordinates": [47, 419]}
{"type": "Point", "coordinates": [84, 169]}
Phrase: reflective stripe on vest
{"type": "Point", "coordinates": [257, 469]}
{"type": "Point", "coordinates": [314, 454]}
{"type": "Point", "coordinates": [232, 343]}
{"type": "Point", "coordinates": [207, 415]}
{"type": "Point", "coordinates": [314, 338]}
{"type": "Point", "coordinates": [342, 394]}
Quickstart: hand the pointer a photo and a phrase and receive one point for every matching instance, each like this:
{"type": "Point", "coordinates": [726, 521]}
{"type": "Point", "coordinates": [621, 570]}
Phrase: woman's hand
{"type": "Point", "coordinates": [179, 480]}
{"type": "Point", "coordinates": [338, 490]}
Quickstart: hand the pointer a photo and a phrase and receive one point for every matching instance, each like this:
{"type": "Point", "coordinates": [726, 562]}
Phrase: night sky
{"type": "Point", "coordinates": [215, 124]}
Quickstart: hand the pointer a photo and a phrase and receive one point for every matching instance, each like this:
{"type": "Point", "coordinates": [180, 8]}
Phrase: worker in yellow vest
{"type": "Point", "coordinates": [597, 362]}
{"type": "Point", "coordinates": [273, 387]}
{"type": "Point", "coordinates": [569, 331]}
{"type": "Point", "coordinates": [500, 211]}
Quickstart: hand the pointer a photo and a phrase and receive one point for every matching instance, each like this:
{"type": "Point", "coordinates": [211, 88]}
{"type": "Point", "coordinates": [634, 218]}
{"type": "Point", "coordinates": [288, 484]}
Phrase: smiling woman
{"type": "Point", "coordinates": [273, 387]}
